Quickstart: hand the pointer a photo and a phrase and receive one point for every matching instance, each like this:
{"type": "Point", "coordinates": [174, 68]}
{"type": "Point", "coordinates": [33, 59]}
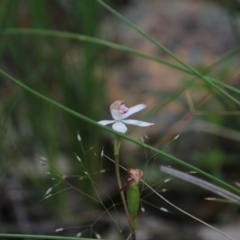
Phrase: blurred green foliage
{"type": "Point", "coordinates": [65, 70]}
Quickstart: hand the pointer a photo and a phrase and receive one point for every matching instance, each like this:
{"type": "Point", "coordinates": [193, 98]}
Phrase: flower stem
{"type": "Point", "coordinates": [133, 227]}
{"type": "Point", "coordinates": [116, 156]}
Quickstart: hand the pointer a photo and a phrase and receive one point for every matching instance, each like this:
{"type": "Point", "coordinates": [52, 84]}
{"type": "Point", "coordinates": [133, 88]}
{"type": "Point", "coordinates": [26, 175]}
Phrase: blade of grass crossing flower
{"type": "Point", "coordinates": [89, 120]}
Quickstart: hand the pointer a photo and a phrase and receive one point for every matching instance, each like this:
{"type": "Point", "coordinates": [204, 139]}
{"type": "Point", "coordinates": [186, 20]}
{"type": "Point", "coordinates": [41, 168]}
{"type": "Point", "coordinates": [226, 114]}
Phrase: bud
{"type": "Point", "coordinates": [133, 195]}
{"type": "Point", "coordinates": [134, 176]}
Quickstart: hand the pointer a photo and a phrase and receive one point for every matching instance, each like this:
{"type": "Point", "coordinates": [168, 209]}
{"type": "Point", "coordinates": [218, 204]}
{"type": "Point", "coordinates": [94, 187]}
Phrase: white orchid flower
{"type": "Point", "coordinates": [119, 112]}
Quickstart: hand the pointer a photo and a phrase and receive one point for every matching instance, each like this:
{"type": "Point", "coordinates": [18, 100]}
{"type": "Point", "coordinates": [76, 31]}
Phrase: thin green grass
{"type": "Point", "coordinates": [27, 236]}
{"type": "Point", "coordinates": [90, 121]}
{"type": "Point", "coordinates": [42, 112]}
{"type": "Point", "coordinates": [159, 45]}
{"type": "Point", "coordinates": [83, 38]}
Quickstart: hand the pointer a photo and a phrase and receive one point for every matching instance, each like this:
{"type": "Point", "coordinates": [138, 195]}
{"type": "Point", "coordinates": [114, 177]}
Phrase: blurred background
{"type": "Point", "coordinates": [39, 142]}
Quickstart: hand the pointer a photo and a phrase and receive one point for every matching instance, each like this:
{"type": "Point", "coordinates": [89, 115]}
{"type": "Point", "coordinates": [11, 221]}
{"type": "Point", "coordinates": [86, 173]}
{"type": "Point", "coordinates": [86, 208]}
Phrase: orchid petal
{"type": "Point", "coordinates": [106, 122]}
{"type": "Point", "coordinates": [120, 127]}
{"type": "Point", "coordinates": [138, 123]}
{"type": "Point", "coordinates": [133, 110]}
{"type": "Point", "coordinates": [116, 115]}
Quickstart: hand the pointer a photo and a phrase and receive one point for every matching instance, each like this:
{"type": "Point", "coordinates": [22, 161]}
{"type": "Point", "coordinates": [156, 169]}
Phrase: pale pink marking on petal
{"type": "Point", "coordinates": [106, 122]}
{"type": "Point", "coordinates": [116, 114]}
{"type": "Point", "coordinates": [133, 110]}
{"type": "Point", "coordinates": [120, 127]}
{"type": "Point", "coordinates": [138, 123]}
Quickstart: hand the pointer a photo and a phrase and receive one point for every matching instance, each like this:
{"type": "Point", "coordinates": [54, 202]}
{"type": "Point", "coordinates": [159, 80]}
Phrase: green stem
{"type": "Point", "coordinates": [133, 198]}
{"type": "Point", "coordinates": [116, 156]}
{"type": "Point", "coordinates": [133, 227]}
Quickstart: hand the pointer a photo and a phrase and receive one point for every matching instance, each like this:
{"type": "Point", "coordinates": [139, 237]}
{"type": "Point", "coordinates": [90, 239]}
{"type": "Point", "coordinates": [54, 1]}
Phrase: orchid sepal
{"type": "Point", "coordinates": [119, 112]}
